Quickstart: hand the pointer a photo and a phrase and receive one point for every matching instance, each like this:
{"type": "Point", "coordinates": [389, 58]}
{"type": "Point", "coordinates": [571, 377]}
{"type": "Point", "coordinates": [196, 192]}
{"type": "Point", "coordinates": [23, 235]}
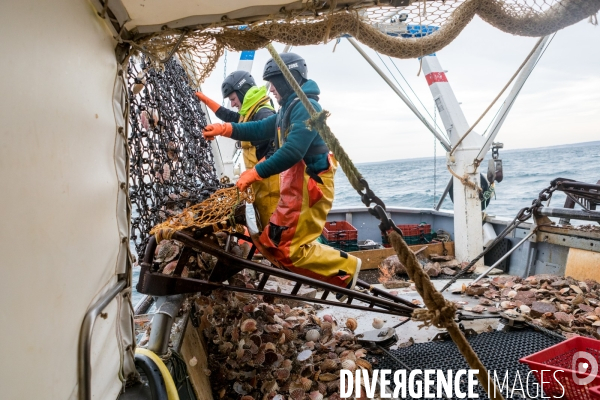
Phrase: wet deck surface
{"type": "Point", "coordinates": [411, 329]}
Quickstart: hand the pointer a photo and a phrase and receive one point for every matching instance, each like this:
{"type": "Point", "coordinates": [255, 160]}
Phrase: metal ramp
{"type": "Point", "coordinates": [204, 241]}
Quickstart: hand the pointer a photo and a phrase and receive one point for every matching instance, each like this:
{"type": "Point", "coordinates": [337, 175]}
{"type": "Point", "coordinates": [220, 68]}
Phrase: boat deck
{"type": "Point", "coordinates": [411, 329]}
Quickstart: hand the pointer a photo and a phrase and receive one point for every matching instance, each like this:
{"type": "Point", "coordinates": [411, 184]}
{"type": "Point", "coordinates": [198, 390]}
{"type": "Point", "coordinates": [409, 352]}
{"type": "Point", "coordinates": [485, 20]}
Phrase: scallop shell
{"type": "Point", "coordinates": [247, 398]}
{"type": "Point", "coordinates": [507, 305]}
{"type": "Point", "coordinates": [274, 328]}
{"type": "Point", "coordinates": [348, 355]}
{"type": "Point", "coordinates": [316, 395]}
{"type": "Point", "coordinates": [225, 348]}
{"type": "Point", "coordinates": [281, 374]}
{"type": "Point", "coordinates": [343, 335]}
{"type": "Point", "coordinates": [270, 358]}
{"type": "Point", "coordinates": [259, 358]}
{"type": "Point", "coordinates": [269, 387]}
{"type": "Point", "coordinates": [304, 355]}
{"type": "Point", "coordinates": [169, 268]}
{"type": "Point", "coordinates": [362, 363]}
{"type": "Point", "coordinates": [326, 326]}
{"type": "Point", "coordinates": [322, 387]}
{"type": "Point", "coordinates": [349, 365]}
{"type": "Point", "coordinates": [351, 324]}
{"type": "Point", "coordinates": [327, 318]}
{"type": "Point", "coordinates": [248, 325]}
{"type": "Point", "coordinates": [377, 323]}
{"type": "Point", "coordinates": [329, 365]}
{"type": "Point", "coordinates": [166, 251]}
{"type": "Point", "coordinates": [243, 355]}
{"type": "Point", "coordinates": [193, 362]}
{"type": "Point", "coordinates": [270, 346]}
{"type": "Point", "coordinates": [328, 377]}
{"type": "Point", "coordinates": [360, 353]}
{"type": "Point", "coordinates": [333, 386]}
{"type": "Point", "coordinates": [287, 364]}
{"type": "Point", "coordinates": [289, 335]}
{"type": "Point", "coordinates": [525, 309]}
{"type": "Point", "coordinates": [512, 294]}
{"type": "Point", "coordinates": [248, 308]}
{"type": "Point", "coordinates": [307, 371]}
{"type": "Point", "coordinates": [297, 394]}
{"type": "Point", "coordinates": [256, 340]}
{"type": "Point", "coordinates": [302, 383]}
{"type": "Point", "coordinates": [313, 335]}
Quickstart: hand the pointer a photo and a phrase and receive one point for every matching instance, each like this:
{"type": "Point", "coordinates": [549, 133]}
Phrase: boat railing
{"type": "Point", "coordinates": [84, 364]}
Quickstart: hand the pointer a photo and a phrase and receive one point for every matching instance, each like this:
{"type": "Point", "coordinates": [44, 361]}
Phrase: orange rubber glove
{"type": "Point", "coordinates": [213, 130]}
{"type": "Point", "coordinates": [210, 103]}
{"type": "Point", "coordinates": [247, 178]}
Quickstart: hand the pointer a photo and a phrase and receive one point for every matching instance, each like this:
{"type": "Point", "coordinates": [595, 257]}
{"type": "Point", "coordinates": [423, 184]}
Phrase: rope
{"type": "Point", "coordinates": [498, 96]}
{"type": "Point", "coordinates": [464, 180]}
{"type": "Point", "coordinates": [440, 312]}
{"type": "Point", "coordinates": [318, 122]}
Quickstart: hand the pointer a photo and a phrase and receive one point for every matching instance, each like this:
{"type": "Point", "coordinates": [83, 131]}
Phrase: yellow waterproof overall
{"type": "Point", "coordinates": [298, 221]}
{"type": "Point", "coordinates": [266, 191]}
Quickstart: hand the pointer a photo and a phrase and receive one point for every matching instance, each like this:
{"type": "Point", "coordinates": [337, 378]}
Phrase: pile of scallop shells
{"type": "Point", "coordinates": [562, 304]}
{"type": "Point", "coordinates": [198, 265]}
{"type": "Point", "coordinates": [260, 350]}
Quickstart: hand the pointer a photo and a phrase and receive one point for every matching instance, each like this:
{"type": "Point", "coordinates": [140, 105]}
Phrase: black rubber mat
{"type": "Point", "coordinates": [496, 252]}
{"type": "Point", "coordinates": [498, 351]}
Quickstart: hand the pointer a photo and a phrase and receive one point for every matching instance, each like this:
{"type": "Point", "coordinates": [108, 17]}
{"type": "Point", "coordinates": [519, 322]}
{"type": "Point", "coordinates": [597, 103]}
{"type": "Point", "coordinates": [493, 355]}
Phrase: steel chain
{"type": "Point", "coordinates": [523, 215]}
{"type": "Point", "coordinates": [171, 165]}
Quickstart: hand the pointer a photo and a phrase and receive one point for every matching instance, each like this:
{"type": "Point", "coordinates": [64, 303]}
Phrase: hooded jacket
{"type": "Point", "coordinates": [296, 143]}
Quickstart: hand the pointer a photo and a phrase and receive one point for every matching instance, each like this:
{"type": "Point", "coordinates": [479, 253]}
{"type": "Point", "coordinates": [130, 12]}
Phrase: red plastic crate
{"type": "Point", "coordinates": [595, 392]}
{"type": "Point", "coordinates": [339, 230]}
{"type": "Point", "coordinates": [563, 362]}
{"type": "Point", "coordinates": [415, 229]}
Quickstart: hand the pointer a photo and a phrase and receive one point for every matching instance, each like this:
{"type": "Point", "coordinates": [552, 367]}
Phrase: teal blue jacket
{"type": "Point", "coordinates": [298, 141]}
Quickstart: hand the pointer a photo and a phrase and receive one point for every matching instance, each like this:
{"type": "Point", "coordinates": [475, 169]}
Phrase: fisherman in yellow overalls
{"type": "Point", "coordinates": [253, 104]}
{"type": "Point", "coordinates": [306, 168]}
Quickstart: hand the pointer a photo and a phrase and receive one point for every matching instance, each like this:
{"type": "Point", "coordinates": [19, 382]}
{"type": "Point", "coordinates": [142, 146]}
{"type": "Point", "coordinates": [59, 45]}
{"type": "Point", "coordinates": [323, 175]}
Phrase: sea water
{"type": "Point", "coordinates": [413, 183]}
{"type": "Point", "coordinates": [410, 183]}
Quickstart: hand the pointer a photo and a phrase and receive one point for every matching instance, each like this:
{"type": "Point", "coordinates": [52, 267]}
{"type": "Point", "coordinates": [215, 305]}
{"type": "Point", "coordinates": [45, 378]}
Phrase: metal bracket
{"type": "Point", "coordinates": [445, 336]}
{"type": "Point", "coordinates": [385, 338]}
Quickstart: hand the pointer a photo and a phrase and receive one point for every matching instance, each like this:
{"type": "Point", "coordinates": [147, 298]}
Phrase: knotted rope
{"type": "Point", "coordinates": [440, 312]}
{"type": "Point", "coordinates": [318, 122]}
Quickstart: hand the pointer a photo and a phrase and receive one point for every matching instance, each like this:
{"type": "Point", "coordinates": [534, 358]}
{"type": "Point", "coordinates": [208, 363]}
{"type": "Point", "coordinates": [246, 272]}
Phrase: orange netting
{"type": "Point", "coordinates": [217, 211]}
{"type": "Point", "coordinates": [421, 28]}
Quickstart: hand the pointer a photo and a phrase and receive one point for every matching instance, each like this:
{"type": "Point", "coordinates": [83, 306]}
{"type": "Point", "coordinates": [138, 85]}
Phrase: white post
{"type": "Point", "coordinates": [467, 206]}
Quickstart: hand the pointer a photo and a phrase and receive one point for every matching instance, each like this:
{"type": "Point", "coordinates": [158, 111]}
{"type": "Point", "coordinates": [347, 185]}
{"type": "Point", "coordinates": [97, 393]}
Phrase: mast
{"type": "Point", "coordinates": [466, 158]}
{"type": "Point", "coordinates": [467, 206]}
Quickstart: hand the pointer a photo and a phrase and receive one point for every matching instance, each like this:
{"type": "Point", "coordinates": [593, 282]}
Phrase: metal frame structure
{"type": "Point", "coordinates": [158, 284]}
{"type": "Point", "coordinates": [465, 159]}
{"type": "Point", "coordinates": [84, 368]}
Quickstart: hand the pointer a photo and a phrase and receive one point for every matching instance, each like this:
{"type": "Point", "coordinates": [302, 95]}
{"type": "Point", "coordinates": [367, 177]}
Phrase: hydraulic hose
{"type": "Point", "coordinates": [169, 383]}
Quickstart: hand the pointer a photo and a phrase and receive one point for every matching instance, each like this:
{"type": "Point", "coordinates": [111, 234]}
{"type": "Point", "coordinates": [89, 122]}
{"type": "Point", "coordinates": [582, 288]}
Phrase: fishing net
{"type": "Point", "coordinates": [415, 30]}
{"type": "Point", "coordinates": [217, 211]}
{"type": "Point", "coordinates": [171, 165]}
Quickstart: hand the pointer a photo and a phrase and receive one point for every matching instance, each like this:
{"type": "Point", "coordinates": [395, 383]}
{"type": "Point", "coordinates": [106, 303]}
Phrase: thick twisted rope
{"type": "Point", "coordinates": [440, 312]}
{"type": "Point", "coordinates": [318, 122]}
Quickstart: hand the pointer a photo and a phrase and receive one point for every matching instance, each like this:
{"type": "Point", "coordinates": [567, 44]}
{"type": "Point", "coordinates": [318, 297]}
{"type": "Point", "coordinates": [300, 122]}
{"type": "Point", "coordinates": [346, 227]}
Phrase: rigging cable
{"type": "Point", "coordinates": [406, 94]}
{"type": "Point", "coordinates": [515, 97]}
{"type": "Point", "coordinates": [497, 97]}
{"type": "Point", "coordinates": [434, 157]}
{"type": "Point", "coordinates": [418, 98]}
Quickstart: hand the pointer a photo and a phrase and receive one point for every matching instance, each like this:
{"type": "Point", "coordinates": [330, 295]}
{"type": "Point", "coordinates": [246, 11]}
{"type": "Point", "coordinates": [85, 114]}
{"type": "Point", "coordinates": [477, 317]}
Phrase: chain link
{"type": "Point", "coordinates": [544, 195]}
{"type": "Point", "coordinates": [171, 165]}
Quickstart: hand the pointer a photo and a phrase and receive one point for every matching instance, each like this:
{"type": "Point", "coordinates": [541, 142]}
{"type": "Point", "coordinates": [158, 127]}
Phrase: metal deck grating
{"type": "Point", "coordinates": [499, 351]}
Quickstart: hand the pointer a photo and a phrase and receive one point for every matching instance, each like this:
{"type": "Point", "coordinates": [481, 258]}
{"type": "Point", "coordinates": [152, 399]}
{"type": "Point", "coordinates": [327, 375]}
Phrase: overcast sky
{"type": "Point", "coordinates": [559, 104]}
